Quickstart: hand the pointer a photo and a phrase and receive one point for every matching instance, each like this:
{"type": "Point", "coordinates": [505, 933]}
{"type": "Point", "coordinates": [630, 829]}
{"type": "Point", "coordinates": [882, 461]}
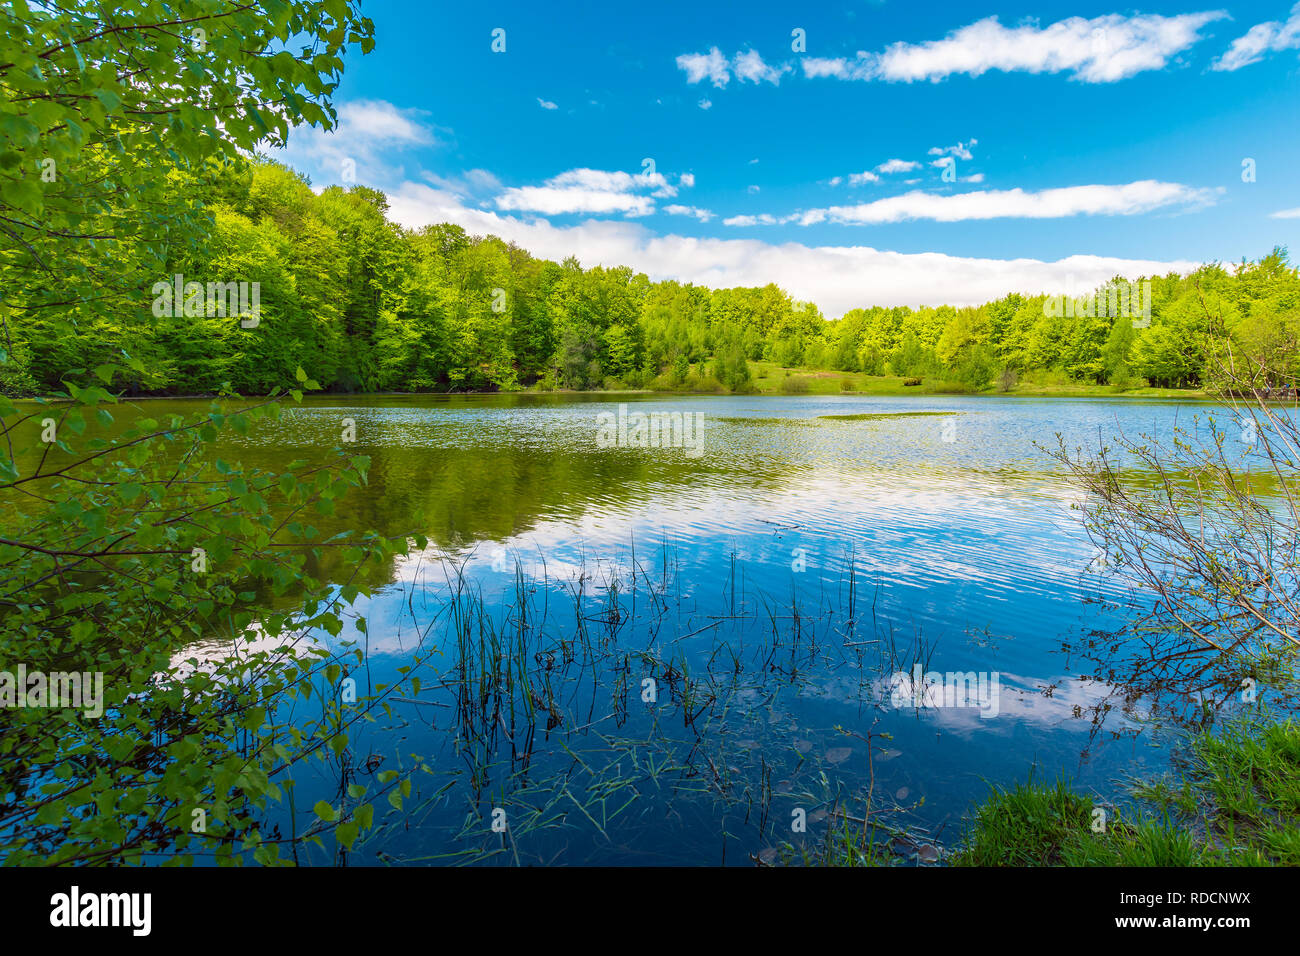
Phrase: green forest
{"type": "Point", "coordinates": [365, 305]}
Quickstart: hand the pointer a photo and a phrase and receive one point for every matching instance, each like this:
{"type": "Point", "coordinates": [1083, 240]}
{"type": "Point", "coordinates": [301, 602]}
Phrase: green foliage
{"type": "Point", "coordinates": [137, 557]}
{"type": "Point", "coordinates": [136, 554]}
{"type": "Point", "coordinates": [975, 367]}
{"type": "Point", "coordinates": [731, 368]}
{"type": "Point", "coordinates": [115, 122]}
{"type": "Point", "coordinates": [1236, 805]}
{"type": "Point", "coordinates": [1025, 825]}
{"type": "Point", "coordinates": [124, 162]}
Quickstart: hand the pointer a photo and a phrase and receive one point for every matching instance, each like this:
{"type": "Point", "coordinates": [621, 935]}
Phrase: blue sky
{"type": "Point", "coordinates": [1084, 139]}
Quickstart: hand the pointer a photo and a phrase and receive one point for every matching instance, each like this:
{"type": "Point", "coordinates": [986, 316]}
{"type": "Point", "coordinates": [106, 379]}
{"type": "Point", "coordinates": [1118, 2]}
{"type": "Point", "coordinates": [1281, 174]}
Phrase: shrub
{"type": "Point", "coordinates": [951, 388]}
{"type": "Point", "coordinates": [705, 382]}
{"type": "Point", "coordinates": [120, 786]}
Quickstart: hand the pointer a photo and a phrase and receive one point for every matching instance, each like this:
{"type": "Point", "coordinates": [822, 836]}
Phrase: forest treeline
{"type": "Point", "coordinates": [365, 305]}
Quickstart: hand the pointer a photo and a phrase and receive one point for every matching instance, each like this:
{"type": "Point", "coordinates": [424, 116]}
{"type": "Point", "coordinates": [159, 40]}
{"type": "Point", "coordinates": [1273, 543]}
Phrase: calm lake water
{"type": "Point", "coordinates": [763, 588]}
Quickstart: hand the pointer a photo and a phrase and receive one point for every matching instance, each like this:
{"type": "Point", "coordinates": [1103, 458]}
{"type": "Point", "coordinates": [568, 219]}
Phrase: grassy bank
{"type": "Point", "coordinates": [769, 378]}
{"type": "Point", "coordinates": [1234, 800]}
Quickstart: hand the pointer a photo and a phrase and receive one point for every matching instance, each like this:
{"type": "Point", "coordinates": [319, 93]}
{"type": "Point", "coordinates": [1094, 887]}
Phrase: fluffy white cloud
{"type": "Point", "coordinates": [552, 201]}
{"type": "Point", "coordinates": [703, 215]}
{"type": "Point", "coordinates": [762, 219]}
{"type": "Point", "coordinates": [711, 66]}
{"type": "Point", "coordinates": [714, 66]}
{"type": "Point", "coordinates": [1100, 50]}
{"type": "Point", "coordinates": [1262, 38]}
{"type": "Point", "coordinates": [816, 67]}
{"type": "Point", "coordinates": [1125, 200]}
{"type": "Point", "coordinates": [590, 191]}
{"type": "Point", "coordinates": [973, 178]}
{"type": "Point", "coordinates": [858, 179]}
{"type": "Point", "coordinates": [368, 134]}
{"type": "Point", "coordinates": [546, 104]}
{"type": "Point", "coordinates": [961, 151]}
{"type": "Point", "coordinates": [1286, 214]}
{"type": "Point", "coordinates": [897, 166]}
{"type": "Point", "coordinates": [383, 122]}
{"type": "Point", "coordinates": [706, 104]}
{"type": "Point", "coordinates": [749, 66]}
{"type": "Point", "coordinates": [837, 278]}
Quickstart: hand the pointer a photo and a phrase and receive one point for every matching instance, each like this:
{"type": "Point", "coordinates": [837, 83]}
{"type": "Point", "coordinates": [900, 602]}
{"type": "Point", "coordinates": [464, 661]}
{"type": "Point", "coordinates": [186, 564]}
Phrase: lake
{"type": "Point", "coordinates": [678, 654]}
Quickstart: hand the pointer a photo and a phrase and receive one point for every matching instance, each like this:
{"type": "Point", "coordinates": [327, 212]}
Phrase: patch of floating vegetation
{"type": "Point", "coordinates": [734, 420]}
{"type": "Point", "coordinates": [880, 416]}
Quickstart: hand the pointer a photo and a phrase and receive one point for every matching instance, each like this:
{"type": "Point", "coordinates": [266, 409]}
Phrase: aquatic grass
{"type": "Point", "coordinates": [548, 723]}
{"type": "Point", "coordinates": [743, 420]}
{"type": "Point", "coordinates": [880, 416]}
{"type": "Point", "coordinates": [1025, 825]}
{"type": "Point", "coordinates": [518, 672]}
{"type": "Point", "coordinates": [1236, 805]}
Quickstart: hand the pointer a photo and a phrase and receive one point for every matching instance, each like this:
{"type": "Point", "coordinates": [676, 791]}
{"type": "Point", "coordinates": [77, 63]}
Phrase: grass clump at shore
{"type": "Point", "coordinates": [1237, 804]}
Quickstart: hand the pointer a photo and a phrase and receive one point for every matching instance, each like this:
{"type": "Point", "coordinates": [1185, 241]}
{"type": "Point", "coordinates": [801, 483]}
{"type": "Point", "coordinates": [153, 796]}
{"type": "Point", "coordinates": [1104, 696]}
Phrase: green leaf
{"type": "Point", "coordinates": [346, 833]}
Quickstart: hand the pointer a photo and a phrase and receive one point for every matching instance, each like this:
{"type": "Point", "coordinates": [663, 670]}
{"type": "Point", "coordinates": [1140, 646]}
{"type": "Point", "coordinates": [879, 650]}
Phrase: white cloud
{"type": "Point", "coordinates": [589, 191]}
{"type": "Point", "coordinates": [703, 215]}
{"type": "Point", "coordinates": [711, 66]}
{"type": "Point", "coordinates": [686, 180]}
{"type": "Point", "coordinates": [816, 67]}
{"type": "Point", "coordinates": [837, 278]}
{"type": "Point", "coordinates": [481, 179]}
{"type": "Point", "coordinates": [369, 133]}
{"type": "Point", "coordinates": [706, 104]}
{"type": "Point", "coordinates": [753, 190]}
{"type": "Point", "coordinates": [1286, 214]}
{"type": "Point", "coordinates": [1126, 200]}
{"type": "Point", "coordinates": [943, 162]}
{"type": "Point", "coordinates": [750, 66]}
{"type": "Point", "coordinates": [715, 67]}
{"type": "Point", "coordinates": [546, 104]}
{"type": "Point", "coordinates": [382, 121]}
{"type": "Point", "coordinates": [1101, 50]}
{"type": "Point", "coordinates": [961, 151]}
{"type": "Point", "coordinates": [897, 166]}
{"type": "Point", "coordinates": [762, 219]}
{"type": "Point", "coordinates": [836, 180]}
{"type": "Point", "coordinates": [973, 178]}
{"type": "Point", "coordinates": [473, 181]}
{"type": "Point", "coordinates": [550, 201]}
{"type": "Point", "coordinates": [1262, 38]}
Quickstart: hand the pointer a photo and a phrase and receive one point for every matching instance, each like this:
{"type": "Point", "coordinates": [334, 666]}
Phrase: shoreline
{"type": "Point", "coordinates": [1033, 391]}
